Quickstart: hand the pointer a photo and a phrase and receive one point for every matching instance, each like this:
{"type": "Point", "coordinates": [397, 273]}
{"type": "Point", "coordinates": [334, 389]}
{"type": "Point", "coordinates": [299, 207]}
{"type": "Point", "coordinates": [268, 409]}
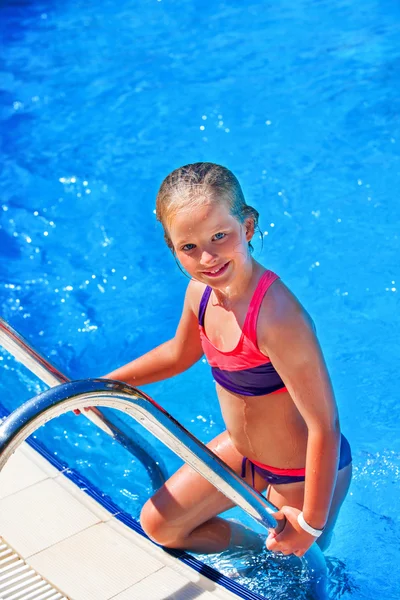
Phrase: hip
{"type": "Point", "coordinates": [275, 476]}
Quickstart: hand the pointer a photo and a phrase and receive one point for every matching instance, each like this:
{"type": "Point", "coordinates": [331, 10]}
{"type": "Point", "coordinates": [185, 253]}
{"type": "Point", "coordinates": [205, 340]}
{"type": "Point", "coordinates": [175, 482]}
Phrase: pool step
{"type": "Point", "coordinates": [18, 581]}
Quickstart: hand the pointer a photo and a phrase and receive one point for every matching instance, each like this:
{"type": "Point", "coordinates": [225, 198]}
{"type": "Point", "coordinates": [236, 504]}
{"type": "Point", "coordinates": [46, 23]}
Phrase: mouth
{"type": "Point", "coordinates": [217, 272]}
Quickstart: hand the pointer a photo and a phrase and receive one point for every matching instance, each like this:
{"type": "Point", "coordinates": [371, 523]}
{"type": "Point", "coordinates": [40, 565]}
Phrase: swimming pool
{"type": "Point", "coordinates": [99, 103]}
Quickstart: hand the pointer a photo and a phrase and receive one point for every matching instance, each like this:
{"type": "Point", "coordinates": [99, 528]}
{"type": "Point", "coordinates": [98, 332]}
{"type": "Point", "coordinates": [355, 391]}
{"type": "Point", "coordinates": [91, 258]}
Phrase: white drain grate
{"type": "Point", "coordinates": [18, 581]}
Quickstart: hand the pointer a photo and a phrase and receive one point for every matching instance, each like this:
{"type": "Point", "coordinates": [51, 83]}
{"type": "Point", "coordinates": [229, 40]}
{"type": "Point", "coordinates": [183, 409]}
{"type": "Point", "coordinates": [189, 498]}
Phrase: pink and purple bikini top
{"type": "Point", "coordinates": [243, 370]}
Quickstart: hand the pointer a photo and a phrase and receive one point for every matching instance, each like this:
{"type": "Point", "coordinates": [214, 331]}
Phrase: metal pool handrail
{"type": "Point", "coordinates": [113, 394]}
{"type": "Point", "coordinates": [132, 441]}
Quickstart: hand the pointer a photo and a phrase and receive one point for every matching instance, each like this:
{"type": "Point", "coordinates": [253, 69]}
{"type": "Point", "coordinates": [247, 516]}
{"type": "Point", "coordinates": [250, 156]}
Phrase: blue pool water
{"type": "Point", "coordinates": [98, 102]}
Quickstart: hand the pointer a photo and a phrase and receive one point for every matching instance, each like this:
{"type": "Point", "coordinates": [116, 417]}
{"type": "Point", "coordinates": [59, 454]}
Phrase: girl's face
{"type": "Point", "coordinates": [211, 244]}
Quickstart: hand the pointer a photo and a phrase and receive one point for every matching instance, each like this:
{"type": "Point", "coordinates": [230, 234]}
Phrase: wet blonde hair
{"type": "Point", "coordinates": [190, 185]}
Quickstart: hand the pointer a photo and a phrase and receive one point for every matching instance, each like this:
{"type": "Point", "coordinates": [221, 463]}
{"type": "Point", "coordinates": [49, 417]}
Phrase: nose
{"type": "Point", "coordinates": [208, 259]}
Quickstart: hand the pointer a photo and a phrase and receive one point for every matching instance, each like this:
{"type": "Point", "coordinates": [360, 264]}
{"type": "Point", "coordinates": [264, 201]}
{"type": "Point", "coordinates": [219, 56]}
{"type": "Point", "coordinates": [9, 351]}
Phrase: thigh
{"type": "Point", "coordinates": [187, 500]}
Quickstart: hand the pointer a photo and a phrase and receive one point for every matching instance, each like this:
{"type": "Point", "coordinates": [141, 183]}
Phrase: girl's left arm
{"type": "Point", "coordinates": [286, 334]}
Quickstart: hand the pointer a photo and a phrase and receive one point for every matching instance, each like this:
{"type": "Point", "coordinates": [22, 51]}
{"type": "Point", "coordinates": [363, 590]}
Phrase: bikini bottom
{"type": "Point", "coordinates": [274, 476]}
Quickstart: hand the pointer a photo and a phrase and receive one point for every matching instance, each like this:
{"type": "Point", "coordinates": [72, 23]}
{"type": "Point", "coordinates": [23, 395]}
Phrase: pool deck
{"type": "Point", "coordinates": [81, 548]}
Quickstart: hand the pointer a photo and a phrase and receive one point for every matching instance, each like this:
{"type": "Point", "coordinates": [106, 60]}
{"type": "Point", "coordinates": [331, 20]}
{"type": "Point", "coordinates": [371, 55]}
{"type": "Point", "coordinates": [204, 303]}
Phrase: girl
{"type": "Point", "coordinates": [282, 427]}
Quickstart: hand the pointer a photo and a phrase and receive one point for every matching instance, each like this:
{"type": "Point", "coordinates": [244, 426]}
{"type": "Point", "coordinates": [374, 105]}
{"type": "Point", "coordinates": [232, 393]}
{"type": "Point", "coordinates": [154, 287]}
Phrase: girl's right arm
{"type": "Point", "coordinates": [174, 356]}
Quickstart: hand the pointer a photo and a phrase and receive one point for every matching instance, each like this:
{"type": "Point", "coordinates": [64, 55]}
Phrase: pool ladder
{"type": "Point", "coordinates": [64, 396]}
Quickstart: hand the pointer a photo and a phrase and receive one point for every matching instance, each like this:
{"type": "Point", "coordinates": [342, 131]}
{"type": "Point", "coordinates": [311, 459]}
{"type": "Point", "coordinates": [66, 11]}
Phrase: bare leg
{"type": "Point", "coordinates": [292, 494]}
{"type": "Point", "coordinates": [183, 512]}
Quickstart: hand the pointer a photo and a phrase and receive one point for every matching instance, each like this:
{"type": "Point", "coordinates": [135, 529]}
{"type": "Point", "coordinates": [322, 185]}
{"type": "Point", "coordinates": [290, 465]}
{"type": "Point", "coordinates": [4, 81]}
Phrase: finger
{"type": "Point", "coordinates": [271, 544]}
{"type": "Point", "coordinates": [283, 551]}
{"type": "Point", "coordinates": [281, 522]}
{"type": "Point", "coordinates": [278, 515]}
{"type": "Point", "coordinates": [290, 512]}
{"type": "Point", "coordinates": [274, 546]}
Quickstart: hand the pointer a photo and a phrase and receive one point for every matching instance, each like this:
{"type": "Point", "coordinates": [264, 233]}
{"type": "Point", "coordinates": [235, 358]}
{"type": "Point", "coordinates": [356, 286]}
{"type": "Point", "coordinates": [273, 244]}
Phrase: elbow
{"type": "Point", "coordinates": [186, 361]}
{"type": "Point", "coordinates": [334, 426]}
{"type": "Point", "coordinates": [326, 429]}
{"type": "Point", "coordinates": [183, 356]}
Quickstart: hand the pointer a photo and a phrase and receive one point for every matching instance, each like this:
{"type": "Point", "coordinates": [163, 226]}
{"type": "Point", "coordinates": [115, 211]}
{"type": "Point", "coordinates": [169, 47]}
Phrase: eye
{"type": "Point", "coordinates": [219, 235]}
{"type": "Point", "coordinates": [188, 247]}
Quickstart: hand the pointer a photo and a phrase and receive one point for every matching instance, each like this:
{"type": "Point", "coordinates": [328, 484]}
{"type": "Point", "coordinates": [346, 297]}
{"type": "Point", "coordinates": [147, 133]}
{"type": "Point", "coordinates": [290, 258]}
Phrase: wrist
{"type": "Point", "coordinates": [305, 525]}
{"type": "Point", "coordinates": [315, 519]}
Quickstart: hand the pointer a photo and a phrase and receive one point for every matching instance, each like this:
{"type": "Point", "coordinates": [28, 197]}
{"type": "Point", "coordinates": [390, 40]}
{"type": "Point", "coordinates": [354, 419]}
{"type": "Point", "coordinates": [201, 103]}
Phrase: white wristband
{"type": "Point", "coordinates": [304, 525]}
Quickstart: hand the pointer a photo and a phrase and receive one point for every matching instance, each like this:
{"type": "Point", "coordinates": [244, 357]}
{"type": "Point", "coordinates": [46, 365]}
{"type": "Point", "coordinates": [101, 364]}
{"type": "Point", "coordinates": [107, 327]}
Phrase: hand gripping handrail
{"type": "Point", "coordinates": [115, 427]}
{"type": "Point", "coordinates": [103, 392]}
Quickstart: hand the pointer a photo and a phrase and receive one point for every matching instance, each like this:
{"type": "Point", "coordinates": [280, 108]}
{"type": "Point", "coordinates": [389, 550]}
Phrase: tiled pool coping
{"type": "Point", "coordinates": [75, 524]}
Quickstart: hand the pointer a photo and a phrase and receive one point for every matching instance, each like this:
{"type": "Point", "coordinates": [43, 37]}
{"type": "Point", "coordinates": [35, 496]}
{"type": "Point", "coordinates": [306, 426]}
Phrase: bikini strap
{"type": "Point", "coordinates": [250, 325]}
{"type": "Point", "coordinates": [203, 305]}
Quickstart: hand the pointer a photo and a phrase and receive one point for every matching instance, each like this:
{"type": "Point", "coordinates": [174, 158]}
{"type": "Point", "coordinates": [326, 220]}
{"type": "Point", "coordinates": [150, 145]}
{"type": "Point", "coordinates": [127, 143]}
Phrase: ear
{"type": "Point", "coordinates": [249, 228]}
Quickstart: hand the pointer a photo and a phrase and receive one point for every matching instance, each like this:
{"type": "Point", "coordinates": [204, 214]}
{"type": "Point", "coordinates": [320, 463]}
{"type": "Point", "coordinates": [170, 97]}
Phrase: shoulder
{"type": "Point", "coordinates": [279, 303]}
{"type": "Point", "coordinates": [282, 317]}
{"type": "Point", "coordinates": [194, 293]}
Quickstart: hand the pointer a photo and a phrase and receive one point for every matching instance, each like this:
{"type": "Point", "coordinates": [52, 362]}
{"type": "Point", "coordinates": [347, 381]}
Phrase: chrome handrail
{"type": "Point", "coordinates": [113, 394]}
{"type": "Point", "coordinates": [132, 441]}
{"type": "Point", "coordinates": [104, 392]}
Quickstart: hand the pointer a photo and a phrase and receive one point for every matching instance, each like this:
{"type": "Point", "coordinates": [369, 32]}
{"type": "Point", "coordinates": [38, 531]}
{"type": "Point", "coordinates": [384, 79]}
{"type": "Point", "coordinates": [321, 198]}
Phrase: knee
{"type": "Point", "coordinates": [157, 527]}
{"type": "Point", "coordinates": [152, 522]}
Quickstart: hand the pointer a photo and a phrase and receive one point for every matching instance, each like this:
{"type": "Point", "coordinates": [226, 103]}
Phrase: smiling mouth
{"type": "Point", "coordinates": [217, 271]}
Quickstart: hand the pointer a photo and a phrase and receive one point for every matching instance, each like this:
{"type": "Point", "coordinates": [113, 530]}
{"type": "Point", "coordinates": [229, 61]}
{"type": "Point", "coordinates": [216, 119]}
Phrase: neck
{"type": "Point", "coordinates": [238, 288]}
